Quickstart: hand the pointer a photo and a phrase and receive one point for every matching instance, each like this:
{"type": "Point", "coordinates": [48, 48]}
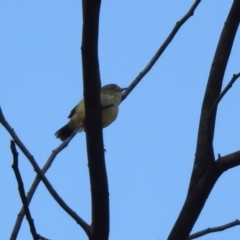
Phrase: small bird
{"type": "Point", "coordinates": [111, 96]}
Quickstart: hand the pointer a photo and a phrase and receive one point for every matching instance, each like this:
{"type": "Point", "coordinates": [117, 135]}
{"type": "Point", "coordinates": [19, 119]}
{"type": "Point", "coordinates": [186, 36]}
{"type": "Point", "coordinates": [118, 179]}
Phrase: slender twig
{"type": "Point", "coordinates": [221, 95]}
{"type": "Point", "coordinates": [162, 48]}
{"type": "Point", "coordinates": [22, 191]}
{"type": "Point", "coordinates": [35, 184]}
{"type": "Point", "coordinates": [48, 185]}
{"type": "Point", "coordinates": [214, 229]}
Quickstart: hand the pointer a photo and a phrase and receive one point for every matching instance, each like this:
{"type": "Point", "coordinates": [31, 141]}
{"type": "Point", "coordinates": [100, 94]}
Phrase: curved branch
{"type": "Point", "coordinates": [94, 135]}
{"type": "Point", "coordinates": [22, 191]}
{"type": "Point", "coordinates": [47, 184]}
{"type": "Point", "coordinates": [204, 149]}
{"type": "Point", "coordinates": [35, 184]}
{"type": "Point", "coordinates": [205, 170]}
{"type": "Point", "coordinates": [170, 37]}
{"type": "Point", "coordinates": [214, 229]}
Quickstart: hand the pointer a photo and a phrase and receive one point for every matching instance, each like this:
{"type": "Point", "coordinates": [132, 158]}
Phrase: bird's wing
{"type": "Point", "coordinates": [72, 112]}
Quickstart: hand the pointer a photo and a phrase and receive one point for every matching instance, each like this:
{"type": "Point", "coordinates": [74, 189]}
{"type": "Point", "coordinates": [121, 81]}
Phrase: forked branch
{"type": "Point", "coordinates": [21, 190]}
{"type": "Point", "coordinates": [205, 170]}
{"type": "Point", "coordinates": [35, 184]}
{"type": "Point", "coordinates": [219, 98]}
{"type": "Point", "coordinates": [47, 184]}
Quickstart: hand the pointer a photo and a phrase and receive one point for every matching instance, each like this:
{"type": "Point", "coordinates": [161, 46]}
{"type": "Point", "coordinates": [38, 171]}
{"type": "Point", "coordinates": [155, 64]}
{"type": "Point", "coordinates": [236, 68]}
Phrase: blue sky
{"type": "Point", "coordinates": [151, 145]}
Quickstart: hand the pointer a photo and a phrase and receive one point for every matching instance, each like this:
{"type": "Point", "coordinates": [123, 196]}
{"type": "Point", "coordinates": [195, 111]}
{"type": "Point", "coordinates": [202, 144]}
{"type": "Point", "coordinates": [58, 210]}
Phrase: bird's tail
{"type": "Point", "coordinates": [64, 133]}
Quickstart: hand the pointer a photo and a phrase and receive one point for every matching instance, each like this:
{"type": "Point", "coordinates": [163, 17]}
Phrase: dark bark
{"type": "Point", "coordinates": [94, 137]}
{"type": "Point", "coordinates": [205, 170]}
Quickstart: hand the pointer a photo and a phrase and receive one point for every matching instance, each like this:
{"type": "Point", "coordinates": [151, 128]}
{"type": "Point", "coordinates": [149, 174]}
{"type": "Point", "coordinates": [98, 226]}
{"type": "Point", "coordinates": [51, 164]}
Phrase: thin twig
{"type": "Point", "coordinates": [48, 185]}
{"type": "Point", "coordinates": [35, 184]}
{"type": "Point", "coordinates": [22, 191]}
{"type": "Point", "coordinates": [161, 49]}
{"type": "Point", "coordinates": [214, 229]}
{"type": "Point", "coordinates": [221, 95]}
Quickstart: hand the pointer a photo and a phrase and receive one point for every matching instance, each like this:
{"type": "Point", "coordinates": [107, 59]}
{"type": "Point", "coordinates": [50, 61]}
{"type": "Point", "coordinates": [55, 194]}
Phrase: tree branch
{"type": "Point", "coordinates": [214, 229]}
{"type": "Point", "coordinates": [228, 161]}
{"type": "Point", "coordinates": [94, 136]}
{"type": "Point", "coordinates": [22, 191]}
{"type": "Point", "coordinates": [219, 98]}
{"type": "Point", "coordinates": [35, 184]}
{"type": "Point", "coordinates": [204, 150]}
{"type": "Point", "coordinates": [47, 184]}
{"type": "Point", "coordinates": [161, 49]}
{"type": "Point", "coordinates": [205, 170]}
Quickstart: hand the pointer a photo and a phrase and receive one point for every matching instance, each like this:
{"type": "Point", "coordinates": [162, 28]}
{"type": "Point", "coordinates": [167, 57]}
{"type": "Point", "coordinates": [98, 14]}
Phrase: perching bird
{"type": "Point", "coordinates": [111, 96]}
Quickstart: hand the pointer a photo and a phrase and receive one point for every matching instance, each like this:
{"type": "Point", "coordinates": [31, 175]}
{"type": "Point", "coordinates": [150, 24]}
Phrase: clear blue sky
{"type": "Point", "coordinates": [151, 145]}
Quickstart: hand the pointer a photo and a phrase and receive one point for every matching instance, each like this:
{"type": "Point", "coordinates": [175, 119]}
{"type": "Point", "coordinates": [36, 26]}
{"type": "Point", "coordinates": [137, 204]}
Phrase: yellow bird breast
{"type": "Point", "coordinates": [109, 115]}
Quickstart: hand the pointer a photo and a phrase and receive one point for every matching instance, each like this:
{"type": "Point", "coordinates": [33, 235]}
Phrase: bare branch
{"type": "Point", "coordinates": [228, 161]}
{"type": "Point", "coordinates": [219, 98]}
{"type": "Point", "coordinates": [205, 170]}
{"type": "Point", "coordinates": [214, 229]}
{"type": "Point", "coordinates": [204, 150]}
{"type": "Point", "coordinates": [35, 184]}
{"type": "Point", "coordinates": [161, 49]}
{"type": "Point", "coordinates": [48, 185]}
{"type": "Point", "coordinates": [94, 135]}
{"type": "Point", "coordinates": [22, 191]}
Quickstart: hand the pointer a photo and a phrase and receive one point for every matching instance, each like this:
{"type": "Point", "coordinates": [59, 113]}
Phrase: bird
{"type": "Point", "coordinates": [111, 95]}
